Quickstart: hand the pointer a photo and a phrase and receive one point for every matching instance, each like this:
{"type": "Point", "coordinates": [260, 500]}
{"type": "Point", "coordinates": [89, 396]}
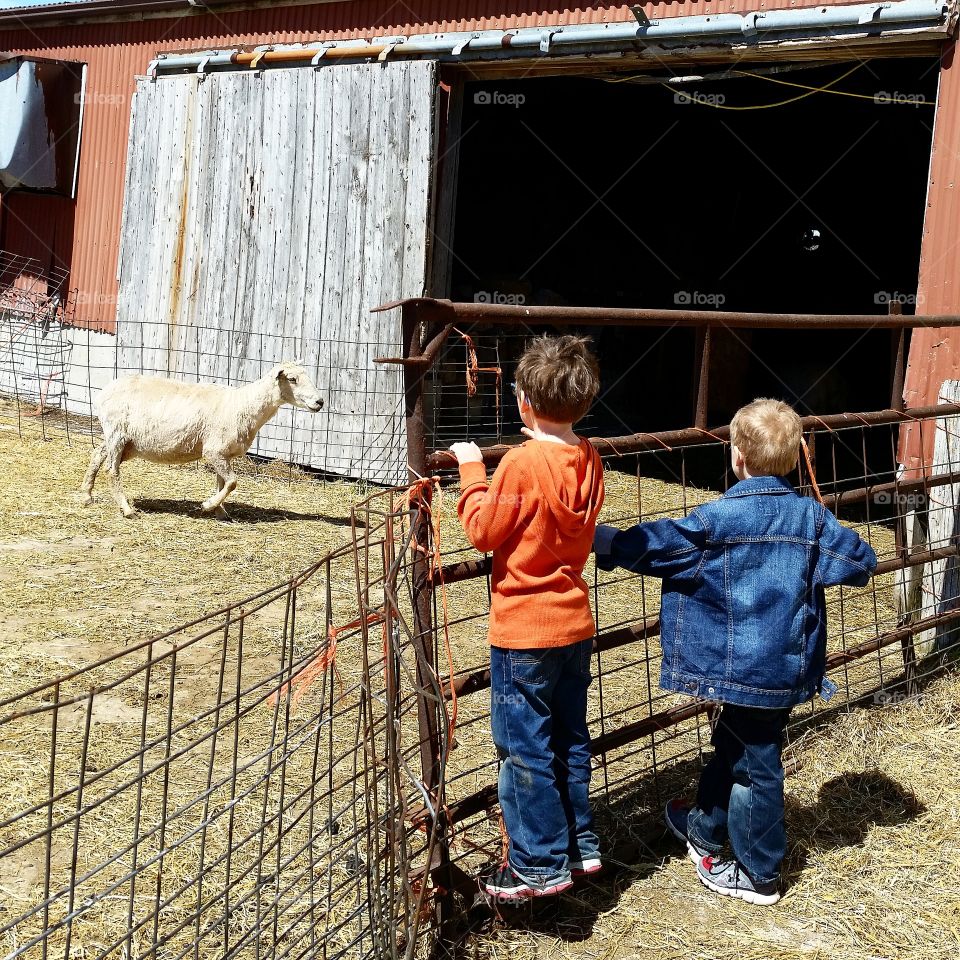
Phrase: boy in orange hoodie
{"type": "Point", "coordinates": [537, 515]}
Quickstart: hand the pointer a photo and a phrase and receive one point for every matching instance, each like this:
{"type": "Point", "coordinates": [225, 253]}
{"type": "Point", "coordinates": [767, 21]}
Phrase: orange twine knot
{"type": "Point", "coordinates": [474, 370]}
{"type": "Point", "coordinates": [301, 681]}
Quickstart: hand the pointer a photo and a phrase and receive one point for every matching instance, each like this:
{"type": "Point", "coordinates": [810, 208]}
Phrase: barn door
{"type": "Point", "coordinates": [265, 214]}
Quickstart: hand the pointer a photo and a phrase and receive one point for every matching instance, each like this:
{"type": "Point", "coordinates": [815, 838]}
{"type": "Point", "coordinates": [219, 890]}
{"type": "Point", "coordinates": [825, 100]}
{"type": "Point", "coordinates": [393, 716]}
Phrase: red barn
{"type": "Point", "coordinates": [251, 166]}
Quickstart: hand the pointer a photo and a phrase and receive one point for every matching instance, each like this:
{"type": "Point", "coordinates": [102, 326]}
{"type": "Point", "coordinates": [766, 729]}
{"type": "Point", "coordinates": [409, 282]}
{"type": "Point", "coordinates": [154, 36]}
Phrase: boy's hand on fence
{"type": "Point", "coordinates": [466, 452]}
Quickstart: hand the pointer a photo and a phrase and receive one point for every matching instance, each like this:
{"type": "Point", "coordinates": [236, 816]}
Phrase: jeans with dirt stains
{"type": "Point", "coordinates": [538, 713]}
{"type": "Point", "coordinates": [740, 797]}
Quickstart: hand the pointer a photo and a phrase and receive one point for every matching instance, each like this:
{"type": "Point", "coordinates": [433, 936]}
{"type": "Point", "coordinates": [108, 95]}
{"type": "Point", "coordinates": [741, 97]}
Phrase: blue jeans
{"type": "Point", "coordinates": [740, 797]}
{"type": "Point", "coordinates": [538, 713]}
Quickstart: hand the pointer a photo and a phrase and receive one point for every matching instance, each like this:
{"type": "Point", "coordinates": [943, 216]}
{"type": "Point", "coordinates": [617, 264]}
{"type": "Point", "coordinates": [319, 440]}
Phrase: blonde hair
{"type": "Point", "coordinates": [767, 433]}
{"type": "Point", "coordinates": [559, 376]}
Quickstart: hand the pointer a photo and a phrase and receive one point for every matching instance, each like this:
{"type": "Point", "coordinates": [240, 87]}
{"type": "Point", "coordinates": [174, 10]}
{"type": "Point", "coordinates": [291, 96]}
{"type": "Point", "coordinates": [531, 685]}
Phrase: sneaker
{"type": "Point", "coordinates": [505, 883]}
{"type": "Point", "coordinates": [675, 816]}
{"type": "Point", "coordinates": [728, 878]}
{"type": "Point", "coordinates": [583, 868]}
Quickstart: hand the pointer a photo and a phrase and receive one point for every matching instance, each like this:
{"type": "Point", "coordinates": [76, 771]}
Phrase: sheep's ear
{"type": "Point", "coordinates": [281, 372]}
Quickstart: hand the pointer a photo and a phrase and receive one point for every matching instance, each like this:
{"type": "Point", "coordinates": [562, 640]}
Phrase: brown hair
{"type": "Point", "coordinates": [767, 433]}
{"type": "Point", "coordinates": [559, 376]}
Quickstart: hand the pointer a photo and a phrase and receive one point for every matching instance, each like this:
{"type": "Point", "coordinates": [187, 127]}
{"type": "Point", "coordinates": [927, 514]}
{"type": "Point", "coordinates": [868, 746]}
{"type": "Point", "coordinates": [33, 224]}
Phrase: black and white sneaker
{"type": "Point", "coordinates": [504, 883]}
{"type": "Point", "coordinates": [729, 879]}
{"type": "Point", "coordinates": [675, 816]}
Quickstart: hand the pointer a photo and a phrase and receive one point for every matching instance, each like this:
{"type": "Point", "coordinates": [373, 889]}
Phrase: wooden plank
{"type": "Point", "coordinates": [265, 215]}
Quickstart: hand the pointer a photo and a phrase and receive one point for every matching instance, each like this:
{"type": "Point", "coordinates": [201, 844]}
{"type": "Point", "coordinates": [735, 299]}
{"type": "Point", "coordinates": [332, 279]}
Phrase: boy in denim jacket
{"type": "Point", "coordinates": [743, 624]}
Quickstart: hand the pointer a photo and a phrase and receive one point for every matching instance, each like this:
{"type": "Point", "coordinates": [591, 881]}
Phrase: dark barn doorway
{"type": "Point", "coordinates": [754, 193]}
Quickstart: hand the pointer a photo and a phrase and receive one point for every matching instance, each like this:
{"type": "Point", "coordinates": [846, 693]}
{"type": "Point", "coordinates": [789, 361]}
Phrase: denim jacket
{"type": "Point", "coordinates": [742, 616]}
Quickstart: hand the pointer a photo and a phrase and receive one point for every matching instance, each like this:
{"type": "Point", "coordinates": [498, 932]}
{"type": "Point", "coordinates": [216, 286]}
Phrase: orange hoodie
{"type": "Point", "coordinates": [537, 515]}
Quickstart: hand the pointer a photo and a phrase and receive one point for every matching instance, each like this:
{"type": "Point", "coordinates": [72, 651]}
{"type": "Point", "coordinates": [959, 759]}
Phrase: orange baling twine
{"type": "Point", "coordinates": [474, 370]}
{"type": "Point", "coordinates": [810, 471]}
{"type": "Point", "coordinates": [327, 658]}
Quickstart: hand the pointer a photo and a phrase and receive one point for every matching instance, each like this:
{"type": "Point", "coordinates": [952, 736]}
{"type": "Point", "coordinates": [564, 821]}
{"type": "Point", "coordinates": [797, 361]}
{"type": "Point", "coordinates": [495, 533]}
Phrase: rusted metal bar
{"type": "Point", "coordinates": [510, 315]}
{"type": "Point", "coordinates": [893, 487]}
{"type": "Point", "coordinates": [429, 721]}
{"type": "Point", "coordinates": [916, 558]}
{"type": "Point", "coordinates": [840, 657]}
{"type": "Point", "coordinates": [692, 436]}
{"type": "Point", "coordinates": [701, 374]}
{"type": "Point", "coordinates": [486, 797]}
{"type": "Point", "coordinates": [422, 591]}
{"type": "Point", "coordinates": [467, 569]}
{"type": "Point", "coordinates": [427, 356]}
{"type": "Point", "coordinates": [473, 681]}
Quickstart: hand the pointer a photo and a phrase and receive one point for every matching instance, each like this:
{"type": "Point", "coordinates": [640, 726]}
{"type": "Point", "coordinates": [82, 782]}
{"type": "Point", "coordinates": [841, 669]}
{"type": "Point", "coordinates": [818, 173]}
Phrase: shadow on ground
{"type": "Point", "coordinates": [848, 806]}
{"type": "Point", "coordinates": [238, 512]}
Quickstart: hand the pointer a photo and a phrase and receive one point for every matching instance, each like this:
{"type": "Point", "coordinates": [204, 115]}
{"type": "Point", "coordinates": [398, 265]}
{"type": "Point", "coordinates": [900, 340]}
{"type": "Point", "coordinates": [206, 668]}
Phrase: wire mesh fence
{"type": "Point", "coordinates": [216, 791]}
{"type": "Point", "coordinates": [52, 372]}
{"type": "Point", "coordinates": [884, 640]}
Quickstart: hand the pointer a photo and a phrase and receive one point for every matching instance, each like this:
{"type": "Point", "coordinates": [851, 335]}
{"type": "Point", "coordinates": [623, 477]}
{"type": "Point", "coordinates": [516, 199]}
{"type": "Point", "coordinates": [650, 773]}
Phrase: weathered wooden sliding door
{"type": "Point", "coordinates": [265, 214]}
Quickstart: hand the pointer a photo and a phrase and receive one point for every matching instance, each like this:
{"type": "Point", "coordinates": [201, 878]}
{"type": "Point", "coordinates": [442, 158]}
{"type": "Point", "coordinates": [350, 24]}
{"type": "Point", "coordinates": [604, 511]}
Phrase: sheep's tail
{"type": "Point", "coordinates": [301, 681]}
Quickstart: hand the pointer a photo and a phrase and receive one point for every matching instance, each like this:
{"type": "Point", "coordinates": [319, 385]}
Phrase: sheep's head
{"type": "Point", "coordinates": [297, 388]}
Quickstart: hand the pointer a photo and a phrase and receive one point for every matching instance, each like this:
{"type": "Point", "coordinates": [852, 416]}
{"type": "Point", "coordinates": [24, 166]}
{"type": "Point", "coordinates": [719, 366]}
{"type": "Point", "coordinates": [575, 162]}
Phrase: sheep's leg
{"type": "Point", "coordinates": [96, 462]}
{"type": "Point", "coordinates": [226, 482]}
{"type": "Point", "coordinates": [116, 448]}
{"type": "Point", "coordinates": [221, 511]}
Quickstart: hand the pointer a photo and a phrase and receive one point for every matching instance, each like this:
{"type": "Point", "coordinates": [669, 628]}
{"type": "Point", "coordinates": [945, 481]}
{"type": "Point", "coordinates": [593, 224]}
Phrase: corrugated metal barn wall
{"type": "Point", "coordinates": [117, 52]}
{"type": "Point", "coordinates": [935, 354]}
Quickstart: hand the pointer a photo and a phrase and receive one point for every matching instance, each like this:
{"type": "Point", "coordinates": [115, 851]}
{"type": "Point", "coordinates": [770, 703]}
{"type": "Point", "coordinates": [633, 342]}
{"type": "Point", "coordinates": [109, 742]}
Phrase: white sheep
{"type": "Point", "coordinates": [168, 421]}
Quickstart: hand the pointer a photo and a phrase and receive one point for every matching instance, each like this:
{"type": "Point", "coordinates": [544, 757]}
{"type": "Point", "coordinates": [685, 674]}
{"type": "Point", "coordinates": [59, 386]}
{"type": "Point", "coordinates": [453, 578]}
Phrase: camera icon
{"type": "Point", "coordinates": [483, 97]}
{"type": "Point", "coordinates": [682, 298]}
{"type": "Point", "coordinates": [482, 296]}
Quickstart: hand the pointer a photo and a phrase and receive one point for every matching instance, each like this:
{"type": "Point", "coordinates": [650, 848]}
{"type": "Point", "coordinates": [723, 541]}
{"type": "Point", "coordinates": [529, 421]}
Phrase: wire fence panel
{"type": "Point", "coordinates": [229, 788]}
